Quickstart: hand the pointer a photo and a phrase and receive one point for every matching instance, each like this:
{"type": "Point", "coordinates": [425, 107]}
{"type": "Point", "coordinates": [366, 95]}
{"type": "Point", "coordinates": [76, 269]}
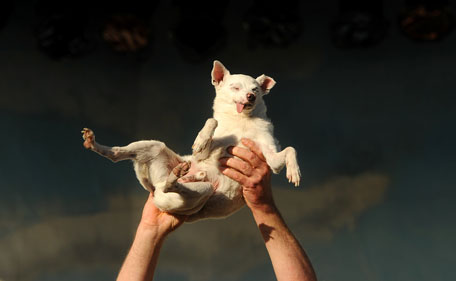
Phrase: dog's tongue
{"type": "Point", "coordinates": [239, 107]}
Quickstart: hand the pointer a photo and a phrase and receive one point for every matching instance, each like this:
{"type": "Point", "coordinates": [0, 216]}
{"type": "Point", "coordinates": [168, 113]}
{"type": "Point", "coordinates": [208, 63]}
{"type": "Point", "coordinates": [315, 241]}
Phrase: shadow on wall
{"type": "Point", "coordinates": [87, 242]}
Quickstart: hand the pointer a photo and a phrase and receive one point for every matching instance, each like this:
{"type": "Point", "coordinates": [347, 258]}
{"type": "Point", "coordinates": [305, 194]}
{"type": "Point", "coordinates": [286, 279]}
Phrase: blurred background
{"type": "Point", "coordinates": [365, 93]}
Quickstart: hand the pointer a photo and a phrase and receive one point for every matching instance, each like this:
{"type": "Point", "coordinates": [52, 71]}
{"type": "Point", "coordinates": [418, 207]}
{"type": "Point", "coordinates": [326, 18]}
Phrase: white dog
{"type": "Point", "coordinates": [193, 185]}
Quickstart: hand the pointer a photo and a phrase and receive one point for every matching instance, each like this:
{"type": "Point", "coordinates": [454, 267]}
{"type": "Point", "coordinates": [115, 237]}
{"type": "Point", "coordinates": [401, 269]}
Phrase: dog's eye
{"type": "Point", "coordinates": [235, 88]}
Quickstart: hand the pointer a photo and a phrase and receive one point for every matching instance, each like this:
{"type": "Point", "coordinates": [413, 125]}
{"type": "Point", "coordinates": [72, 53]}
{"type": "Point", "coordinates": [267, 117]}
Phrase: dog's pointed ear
{"type": "Point", "coordinates": [219, 72]}
{"type": "Point", "coordinates": [266, 83]}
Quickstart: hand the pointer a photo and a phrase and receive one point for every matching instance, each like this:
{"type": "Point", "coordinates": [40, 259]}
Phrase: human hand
{"type": "Point", "coordinates": [253, 173]}
{"type": "Point", "coordinates": [142, 258]}
{"type": "Point", "coordinates": [160, 221]}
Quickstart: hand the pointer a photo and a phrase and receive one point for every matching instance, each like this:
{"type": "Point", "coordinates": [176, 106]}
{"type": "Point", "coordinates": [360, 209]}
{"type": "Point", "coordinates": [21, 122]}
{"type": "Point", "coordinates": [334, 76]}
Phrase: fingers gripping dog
{"type": "Point", "coordinates": [192, 184]}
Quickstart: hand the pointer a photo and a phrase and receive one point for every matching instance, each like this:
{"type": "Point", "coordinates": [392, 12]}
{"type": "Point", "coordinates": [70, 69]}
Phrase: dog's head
{"type": "Point", "coordinates": [239, 93]}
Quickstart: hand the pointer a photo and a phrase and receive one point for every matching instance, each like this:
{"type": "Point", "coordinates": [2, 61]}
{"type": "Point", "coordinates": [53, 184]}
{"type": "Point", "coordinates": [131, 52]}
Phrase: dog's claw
{"type": "Point", "coordinates": [293, 174]}
{"type": "Point", "coordinates": [181, 169]}
{"type": "Point", "coordinates": [89, 138]}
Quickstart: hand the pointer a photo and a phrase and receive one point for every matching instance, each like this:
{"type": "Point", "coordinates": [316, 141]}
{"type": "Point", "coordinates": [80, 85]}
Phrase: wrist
{"type": "Point", "coordinates": [155, 232]}
{"type": "Point", "coordinates": [263, 209]}
{"type": "Point", "coordinates": [266, 213]}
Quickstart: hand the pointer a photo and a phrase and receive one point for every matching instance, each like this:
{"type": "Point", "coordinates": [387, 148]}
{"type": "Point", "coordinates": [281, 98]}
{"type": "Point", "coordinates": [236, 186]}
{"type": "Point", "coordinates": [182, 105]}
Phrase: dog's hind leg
{"type": "Point", "coordinates": [178, 172]}
{"type": "Point", "coordinates": [115, 153]}
{"type": "Point", "coordinates": [152, 160]}
{"type": "Point", "coordinates": [185, 198]}
{"type": "Point", "coordinates": [140, 151]}
{"type": "Point", "coordinates": [184, 192]}
{"type": "Point", "coordinates": [158, 169]}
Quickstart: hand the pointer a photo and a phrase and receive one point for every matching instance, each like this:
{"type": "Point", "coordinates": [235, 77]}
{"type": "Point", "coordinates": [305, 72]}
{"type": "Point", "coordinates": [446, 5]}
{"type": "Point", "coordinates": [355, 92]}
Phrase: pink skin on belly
{"type": "Point", "coordinates": [190, 176]}
{"type": "Point", "coordinates": [193, 169]}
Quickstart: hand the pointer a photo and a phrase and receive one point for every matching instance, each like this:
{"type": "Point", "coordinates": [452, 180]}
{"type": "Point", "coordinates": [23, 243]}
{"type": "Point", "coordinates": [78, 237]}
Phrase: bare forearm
{"type": "Point", "coordinates": [288, 258]}
{"type": "Point", "coordinates": [143, 256]}
{"type": "Point", "coordinates": [252, 171]}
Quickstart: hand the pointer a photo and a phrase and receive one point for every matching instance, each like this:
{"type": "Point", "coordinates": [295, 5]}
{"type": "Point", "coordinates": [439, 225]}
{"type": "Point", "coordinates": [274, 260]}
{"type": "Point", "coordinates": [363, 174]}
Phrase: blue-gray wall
{"type": "Point", "coordinates": [374, 131]}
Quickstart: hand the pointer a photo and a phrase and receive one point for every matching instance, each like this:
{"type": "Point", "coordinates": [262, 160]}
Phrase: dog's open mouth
{"type": "Point", "coordinates": [241, 106]}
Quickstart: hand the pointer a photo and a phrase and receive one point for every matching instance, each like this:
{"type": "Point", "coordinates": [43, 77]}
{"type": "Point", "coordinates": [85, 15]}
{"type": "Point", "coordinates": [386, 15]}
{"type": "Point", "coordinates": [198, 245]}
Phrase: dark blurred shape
{"type": "Point", "coordinates": [6, 8]}
{"type": "Point", "coordinates": [73, 28]}
{"type": "Point", "coordinates": [359, 23]}
{"type": "Point", "coordinates": [126, 33]}
{"type": "Point", "coordinates": [61, 29]}
{"type": "Point", "coordinates": [199, 32]}
{"type": "Point", "coordinates": [272, 23]}
{"type": "Point", "coordinates": [425, 20]}
{"type": "Point", "coordinates": [60, 36]}
{"type": "Point", "coordinates": [126, 25]}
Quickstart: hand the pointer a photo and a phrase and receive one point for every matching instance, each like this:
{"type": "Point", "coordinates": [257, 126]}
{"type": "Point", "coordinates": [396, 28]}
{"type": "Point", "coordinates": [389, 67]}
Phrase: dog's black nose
{"type": "Point", "coordinates": [251, 97]}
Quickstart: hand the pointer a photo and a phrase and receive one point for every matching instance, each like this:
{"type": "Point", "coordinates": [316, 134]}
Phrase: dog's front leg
{"type": "Point", "coordinates": [276, 160]}
{"type": "Point", "coordinates": [202, 145]}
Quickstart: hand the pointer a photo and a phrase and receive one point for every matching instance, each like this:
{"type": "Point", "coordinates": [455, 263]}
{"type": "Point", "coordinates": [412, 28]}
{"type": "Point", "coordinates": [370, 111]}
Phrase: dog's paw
{"type": "Point", "coordinates": [200, 144]}
{"type": "Point", "coordinates": [181, 169]}
{"type": "Point", "coordinates": [204, 137]}
{"type": "Point", "coordinates": [211, 124]}
{"type": "Point", "coordinates": [293, 173]}
{"type": "Point", "coordinates": [89, 138]}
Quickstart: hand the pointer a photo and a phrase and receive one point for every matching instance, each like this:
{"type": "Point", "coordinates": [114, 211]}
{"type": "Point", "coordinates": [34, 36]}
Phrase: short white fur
{"type": "Point", "coordinates": [192, 184]}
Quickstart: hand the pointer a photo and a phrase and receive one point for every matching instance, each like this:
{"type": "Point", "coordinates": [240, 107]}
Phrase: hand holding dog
{"type": "Point", "coordinates": [289, 259]}
{"type": "Point", "coordinates": [252, 171]}
{"type": "Point", "coordinates": [158, 220]}
{"type": "Point", "coordinates": [142, 258]}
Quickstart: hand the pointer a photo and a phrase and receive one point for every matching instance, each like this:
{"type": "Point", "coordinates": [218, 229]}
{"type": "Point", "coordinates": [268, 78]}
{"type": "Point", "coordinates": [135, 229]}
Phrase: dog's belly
{"type": "Point", "coordinates": [193, 169]}
{"type": "Point", "coordinates": [258, 130]}
{"type": "Point", "coordinates": [197, 173]}
{"type": "Point", "coordinates": [227, 196]}
{"type": "Point", "coordinates": [202, 171]}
